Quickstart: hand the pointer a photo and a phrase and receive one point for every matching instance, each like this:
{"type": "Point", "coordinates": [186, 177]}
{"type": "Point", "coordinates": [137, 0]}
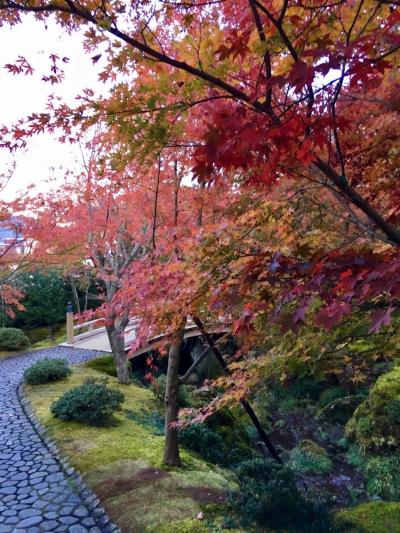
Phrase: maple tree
{"type": "Point", "coordinates": [271, 105]}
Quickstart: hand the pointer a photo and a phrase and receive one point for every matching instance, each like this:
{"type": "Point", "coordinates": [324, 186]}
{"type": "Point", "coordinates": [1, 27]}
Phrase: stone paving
{"type": "Point", "coordinates": [35, 493]}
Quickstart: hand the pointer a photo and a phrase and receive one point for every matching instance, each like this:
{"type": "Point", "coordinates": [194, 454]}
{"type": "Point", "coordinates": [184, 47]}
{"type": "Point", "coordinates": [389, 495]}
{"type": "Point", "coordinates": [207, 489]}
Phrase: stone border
{"type": "Point", "coordinates": [88, 497]}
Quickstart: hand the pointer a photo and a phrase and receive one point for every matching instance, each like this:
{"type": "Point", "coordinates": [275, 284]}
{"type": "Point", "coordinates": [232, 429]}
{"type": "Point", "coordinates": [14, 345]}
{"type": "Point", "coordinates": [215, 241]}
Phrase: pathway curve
{"type": "Point", "coordinates": [35, 493]}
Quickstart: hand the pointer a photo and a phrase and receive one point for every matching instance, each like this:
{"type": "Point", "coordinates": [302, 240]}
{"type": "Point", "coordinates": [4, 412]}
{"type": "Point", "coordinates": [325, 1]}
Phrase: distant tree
{"type": "Point", "coordinates": [46, 293]}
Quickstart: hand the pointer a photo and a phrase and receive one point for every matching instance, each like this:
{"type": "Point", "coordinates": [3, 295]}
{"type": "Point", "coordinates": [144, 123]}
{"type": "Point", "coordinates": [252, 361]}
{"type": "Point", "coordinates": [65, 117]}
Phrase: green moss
{"type": "Point", "coordinates": [373, 424]}
{"type": "Point", "coordinates": [185, 526]}
{"type": "Point", "coordinates": [123, 463]}
{"type": "Point", "coordinates": [373, 517]}
{"type": "Point", "coordinates": [104, 364]}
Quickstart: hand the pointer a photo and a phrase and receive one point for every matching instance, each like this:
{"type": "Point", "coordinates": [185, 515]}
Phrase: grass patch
{"type": "Point", "coordinates": [123, 462]}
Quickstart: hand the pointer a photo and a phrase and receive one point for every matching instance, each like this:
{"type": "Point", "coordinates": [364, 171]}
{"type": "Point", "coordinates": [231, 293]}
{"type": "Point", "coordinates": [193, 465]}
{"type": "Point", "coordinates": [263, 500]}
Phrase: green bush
{"type": "Point", "coordinates": [203, 440]}
{"type": "Point", "coordinates": [92, 402]}
{"type": "Point", "coordinates": [104, 364]}
{"type": "Point", "coordinates": [329, 395]}
{"type": "Point", "coordinates": [268, 496]}
{"type": "Point", "coordinates": [13, 339]}
{"type": "Point", "coordinates": [305, 388]}
{"type": "Point", "coordinates": [383, 477]}
{"type": "Point", "coordinates": [47, 370]}
{"type": "Point", "coordinates": [309, 458]}
{"type": "Point", "coordinates": [355, 457]}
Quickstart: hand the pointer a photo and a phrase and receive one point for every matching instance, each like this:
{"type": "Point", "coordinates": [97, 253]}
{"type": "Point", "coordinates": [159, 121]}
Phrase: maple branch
{"type": "Point", "coordinates": [356, 199]}
{"type": "Point", "coordinates": [208, 340]}
{"type": "Point", "coordinates": [267, 57]}
{"type": "Point", "coordinates": [278, 25]}
{"type": "Point", "coordinates": [342, 184]}
{"type": "Point", "coordinates": [146, 49]}
{"type": "Point", "coordinates": [153, 234]}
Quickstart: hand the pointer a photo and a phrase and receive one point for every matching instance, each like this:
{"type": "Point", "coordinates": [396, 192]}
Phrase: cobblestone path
{"type": "Point", "coordinates": [35, 494]}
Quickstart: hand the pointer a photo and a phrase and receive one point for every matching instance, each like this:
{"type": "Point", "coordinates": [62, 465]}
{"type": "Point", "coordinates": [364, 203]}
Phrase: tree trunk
{"type": "Point", "coordinates": [75, 294]}
{"type": "Point", "coordinates": [171, 450]}
{"type": "Point", "coordinates": [116, 338]}
{"type": "Point", "coordinates": [249, 410]}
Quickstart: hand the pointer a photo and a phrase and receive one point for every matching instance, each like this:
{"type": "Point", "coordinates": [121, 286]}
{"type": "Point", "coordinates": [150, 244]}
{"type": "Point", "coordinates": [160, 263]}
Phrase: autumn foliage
{"type": "Point", "coordinates": [248, 147]}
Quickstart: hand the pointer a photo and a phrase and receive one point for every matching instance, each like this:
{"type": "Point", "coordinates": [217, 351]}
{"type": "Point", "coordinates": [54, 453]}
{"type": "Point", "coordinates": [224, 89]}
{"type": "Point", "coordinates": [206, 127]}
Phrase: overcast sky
{"type": "Point", "coordinates": [44, 157]}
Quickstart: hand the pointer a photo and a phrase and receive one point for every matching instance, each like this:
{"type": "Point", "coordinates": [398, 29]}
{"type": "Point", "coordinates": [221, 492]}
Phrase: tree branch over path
{"type": "Point", "coordinates": [109, 25]}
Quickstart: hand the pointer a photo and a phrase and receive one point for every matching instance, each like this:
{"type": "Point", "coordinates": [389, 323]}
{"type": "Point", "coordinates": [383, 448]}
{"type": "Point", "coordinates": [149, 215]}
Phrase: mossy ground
{"type": "Point", "coordinates": [374, 425]}
{"type": "Point", "coordinates": [373, 517]}
{"type": "Point", "coordinates": [123, 462]}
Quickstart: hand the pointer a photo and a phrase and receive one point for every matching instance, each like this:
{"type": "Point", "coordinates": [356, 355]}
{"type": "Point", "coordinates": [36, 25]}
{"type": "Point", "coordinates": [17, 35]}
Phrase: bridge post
{"type": "Point", "coordinates": [70, 324]}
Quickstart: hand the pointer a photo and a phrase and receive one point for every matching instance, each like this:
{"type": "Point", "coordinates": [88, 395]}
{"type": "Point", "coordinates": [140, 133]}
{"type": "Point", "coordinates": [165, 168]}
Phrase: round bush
{"type": "Point", "coordinates": [92, 402]}
{"type": "Point", "coordinates": [13, 339]}
{"type": "Point", "coordinates": [47, 370]}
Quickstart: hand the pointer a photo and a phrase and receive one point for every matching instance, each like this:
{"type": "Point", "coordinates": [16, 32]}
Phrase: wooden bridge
{"type": "Point", "coordinates": [92, 335]}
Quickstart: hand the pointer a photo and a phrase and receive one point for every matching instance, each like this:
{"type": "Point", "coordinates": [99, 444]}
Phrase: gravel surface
{"type": "Point", "coordinates": [35, 493]}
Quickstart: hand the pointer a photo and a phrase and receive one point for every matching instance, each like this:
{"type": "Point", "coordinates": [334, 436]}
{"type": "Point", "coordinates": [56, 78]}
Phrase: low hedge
{"type": "Point", "coordinates": [13, 339]}
{"type": "Point", "coordinates": [46, 370]}
{"type": "Point", "coordinates": [93, 403]}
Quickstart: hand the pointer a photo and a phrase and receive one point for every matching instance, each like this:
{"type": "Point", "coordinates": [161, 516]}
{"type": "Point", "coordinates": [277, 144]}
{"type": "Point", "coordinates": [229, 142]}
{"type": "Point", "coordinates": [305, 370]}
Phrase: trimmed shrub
{"type": "Point", "coordinates": [268, 496]}
{"type": "Point", "coordinates": [104, 364]}
{"type": "Point", "coordinates": [309, 458]}
{"type": "Point", "coordinates": [13, 339]}
{"type": "Point", "coordinates": [47, 370]}
{"type": "Point", "coordinates": [92, 402]}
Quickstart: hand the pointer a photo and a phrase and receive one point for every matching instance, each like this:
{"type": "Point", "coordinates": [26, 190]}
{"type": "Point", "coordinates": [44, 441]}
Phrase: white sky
{"type": "Point", "coordinates": [21, 95]}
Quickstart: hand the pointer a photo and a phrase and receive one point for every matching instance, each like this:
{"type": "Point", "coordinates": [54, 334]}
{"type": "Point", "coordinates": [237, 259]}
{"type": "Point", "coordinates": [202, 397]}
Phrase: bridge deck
{"type": "Point", "coordinates": [98, 340]}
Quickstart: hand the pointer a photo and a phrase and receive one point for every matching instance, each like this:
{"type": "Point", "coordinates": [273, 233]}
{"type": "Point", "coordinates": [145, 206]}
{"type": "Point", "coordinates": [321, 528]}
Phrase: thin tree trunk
{"type": "Point", "coordinates": [171, 450]}
{"type": "Point", "coordinates": [75, 294]}
{"type": "Point", "coordinates": [249, 410]}
{"type": "Point", "coordinates": [116, 338]}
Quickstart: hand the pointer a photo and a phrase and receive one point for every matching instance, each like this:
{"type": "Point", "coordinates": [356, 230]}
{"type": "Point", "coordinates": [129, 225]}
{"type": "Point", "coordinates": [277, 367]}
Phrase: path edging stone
{"type": "Point", "coordinates": [89, 498]}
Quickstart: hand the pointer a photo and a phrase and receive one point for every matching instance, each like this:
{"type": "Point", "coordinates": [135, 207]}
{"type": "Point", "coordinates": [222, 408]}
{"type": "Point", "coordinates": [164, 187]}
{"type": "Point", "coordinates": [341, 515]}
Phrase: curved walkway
{"type": "Point", "coordinates": [35, 493]}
